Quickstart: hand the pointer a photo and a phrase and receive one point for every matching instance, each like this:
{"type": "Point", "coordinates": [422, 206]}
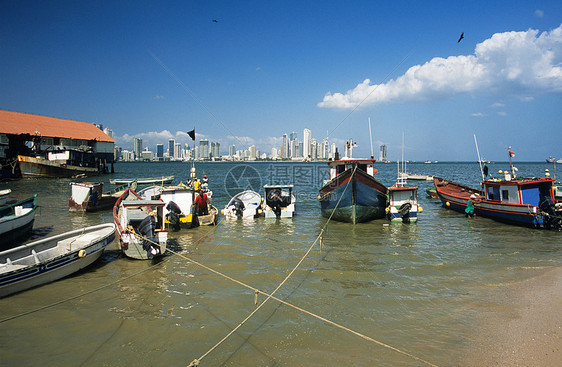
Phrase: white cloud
{"type": "Point", "coordinates": [158, 97]}
{"type": "Point", "coordinates": [478, 114]}
{"type": "Point", "coordinates": [513, 61]}
{"type": "Point", "coordinates": [539, 13]}
{"type": "Point", "coordinates": [502, 113]}
{"type": "Point", "coordinates": [497, 105]}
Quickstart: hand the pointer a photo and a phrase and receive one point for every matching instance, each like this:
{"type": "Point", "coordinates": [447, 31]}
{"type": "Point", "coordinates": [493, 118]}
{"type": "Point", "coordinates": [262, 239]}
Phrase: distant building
{"type": "Point", "coordinates": [171, 145]}
{"type": "Point", "coordinates": [159, 151]}
{"type": "Point", "coordinates": [382, 153]}
{"type": "Point", "coordinates": [177, 151]}
{"type": "Point", "coordinates": [306, 141]}
{"type": "Point", "coordinates": [204, 152]}
{"type": "Point", "coordinates": [137, 147]}
{"type": "Point", "coordinates": [232, 150]}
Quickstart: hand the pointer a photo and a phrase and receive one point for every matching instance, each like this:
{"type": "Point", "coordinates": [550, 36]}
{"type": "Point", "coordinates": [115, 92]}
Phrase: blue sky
{"type": "Point", "coordinates": [156, 69]}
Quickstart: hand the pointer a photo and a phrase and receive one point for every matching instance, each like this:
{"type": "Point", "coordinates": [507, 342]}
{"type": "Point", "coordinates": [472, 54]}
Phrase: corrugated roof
{"type": "Point", "coordinates": [18, 123]}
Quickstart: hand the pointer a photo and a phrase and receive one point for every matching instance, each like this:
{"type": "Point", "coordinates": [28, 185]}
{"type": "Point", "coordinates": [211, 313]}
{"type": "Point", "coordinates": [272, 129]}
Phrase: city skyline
{"type": "Point", "coordinates": [155, 72]}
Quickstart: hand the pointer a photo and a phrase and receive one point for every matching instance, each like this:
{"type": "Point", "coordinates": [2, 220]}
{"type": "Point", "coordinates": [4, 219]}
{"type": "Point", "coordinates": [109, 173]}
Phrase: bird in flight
{"type": "Point", "coordinates": [461, 37]}
{"type": "Point", "coordinates": [215, 21]}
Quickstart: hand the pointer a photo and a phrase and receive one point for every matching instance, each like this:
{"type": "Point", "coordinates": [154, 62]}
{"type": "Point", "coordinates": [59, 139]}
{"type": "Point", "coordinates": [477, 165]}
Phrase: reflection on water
{"type": "Point", "coordinates": [411, 286]}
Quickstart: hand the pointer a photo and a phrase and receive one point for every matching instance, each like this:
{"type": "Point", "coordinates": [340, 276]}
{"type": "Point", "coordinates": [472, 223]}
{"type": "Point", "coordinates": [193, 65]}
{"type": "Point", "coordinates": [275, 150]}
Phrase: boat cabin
{"type": "Point", "coordinates": [339, 166]}
{"type": "Point", "coordinates": [527, 191]}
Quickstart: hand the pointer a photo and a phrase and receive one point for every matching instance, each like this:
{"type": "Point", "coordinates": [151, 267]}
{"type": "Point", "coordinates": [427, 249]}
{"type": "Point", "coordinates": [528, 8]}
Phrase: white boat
{"type": "Point", "coordinates": [414, 176]}
{"type": "Point", "coordinates": [16, 221]}
{"type": "Point", "coordinates": [89, 197]}
{"type": "Point", "coordinates": [280, 201]}
{"type": "Point", "coordinates": [143, 181]}
{"type": "Point", "coordinates": [140, 226]}
{"type": "Point", "coordinates": [4, 194]}
{"type": "Point", "coordinates": [52, 258]}
{"type": "Point", "coordinates": [403, 200]}
{"type": "Point", "coordinates": [245, 204]}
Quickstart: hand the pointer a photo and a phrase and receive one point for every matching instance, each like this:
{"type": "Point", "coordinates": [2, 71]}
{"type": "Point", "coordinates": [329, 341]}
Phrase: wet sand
{"type": "Point", "coordinates": [523, 325]}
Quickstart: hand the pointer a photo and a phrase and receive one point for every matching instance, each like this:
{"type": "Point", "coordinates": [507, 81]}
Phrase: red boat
{"type": "Point", "coordinates": [522, 201]}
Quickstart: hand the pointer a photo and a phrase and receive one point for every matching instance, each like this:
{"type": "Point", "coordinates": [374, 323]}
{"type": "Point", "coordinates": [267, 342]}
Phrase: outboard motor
{"type": "Point", "coordinates": [146, 229]}
{"type": "Point", "coordinates": [173, 215]}
{"type": "Point", "coordinates": [239, 208]}
{"type": "Point", "coordinates": [405, 212]}
{"type": "Point", "coordinates": [277, 199]}
{"type": "Point", "coordinates": [550, 219]}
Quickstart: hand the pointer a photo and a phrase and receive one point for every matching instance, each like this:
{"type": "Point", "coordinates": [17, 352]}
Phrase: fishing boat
{"type": "Point", "coordinates": [402, 199]}
{"type": "Point", "coordinates": [245, 204]}
{"type": "Point", "coordinates": [414, 176]}
{"type": "Point", "coordinates": [522, 201]}
{"type": "Point", "coordinates": [89, 197]}
{"type": "Point", "coordinates": [4, 195]}
{"type": "Point", "coordinates": [16, 221]}
{"type": "Point", "coordinates": [352, 194]}
{"type": "Point", "coordinates": [52, 258]}
{"type": "Point", "coordinates": [143, 181]}
{"type": "Point", "coordinates": [140, 226]}
{"type": "Point", "coordinates": [178, 202]}
{"type": "Point", "coordinates": [280, 201]}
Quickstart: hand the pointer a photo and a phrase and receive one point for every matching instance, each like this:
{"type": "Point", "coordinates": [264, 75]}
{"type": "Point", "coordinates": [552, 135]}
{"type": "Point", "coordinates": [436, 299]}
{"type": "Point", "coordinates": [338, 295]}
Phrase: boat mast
{"type": "Point", "coordinates": [371, 136]}
{"type": "Point", "coordinates": [479, 160]}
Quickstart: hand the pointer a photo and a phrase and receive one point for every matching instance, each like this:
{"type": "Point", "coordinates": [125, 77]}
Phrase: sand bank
{"type": "Point", "coordinates": [523, 325]}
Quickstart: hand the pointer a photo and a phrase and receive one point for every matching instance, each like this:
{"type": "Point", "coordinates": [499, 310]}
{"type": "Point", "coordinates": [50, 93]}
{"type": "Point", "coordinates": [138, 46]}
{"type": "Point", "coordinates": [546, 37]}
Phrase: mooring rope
{"type": "Point", "coordinates": [269, 296]}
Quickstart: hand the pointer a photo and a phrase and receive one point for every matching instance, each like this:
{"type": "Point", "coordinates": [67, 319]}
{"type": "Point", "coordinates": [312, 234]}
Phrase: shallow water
{"type": "Point", "coordinates": [414, 287]}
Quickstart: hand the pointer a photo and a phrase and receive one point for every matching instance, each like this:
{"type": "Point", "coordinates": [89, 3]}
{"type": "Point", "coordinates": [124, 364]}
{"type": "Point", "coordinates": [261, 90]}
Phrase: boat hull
{"type": "Point", "coordinates": [16, 222]}
{"type": "Point", "coordinates": [16, 278]}
{"type": "Point", "coordinates": [40, 167]}
{"type": "Point", "coordinates": [353, 197]}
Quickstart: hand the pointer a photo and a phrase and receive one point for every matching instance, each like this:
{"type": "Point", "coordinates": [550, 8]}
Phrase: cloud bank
{"type": "Point", "coordinates": [518, 62]}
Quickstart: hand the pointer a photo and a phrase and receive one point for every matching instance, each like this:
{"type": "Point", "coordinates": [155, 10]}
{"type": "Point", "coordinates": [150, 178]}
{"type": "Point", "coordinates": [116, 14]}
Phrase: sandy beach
{"type": "Point", "coordinates": [523, 327]}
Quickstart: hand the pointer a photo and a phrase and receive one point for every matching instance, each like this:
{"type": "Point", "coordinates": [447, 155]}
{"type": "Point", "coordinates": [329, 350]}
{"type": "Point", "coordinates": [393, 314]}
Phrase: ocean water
{"type": "Point", "coordinates": [416, 288]}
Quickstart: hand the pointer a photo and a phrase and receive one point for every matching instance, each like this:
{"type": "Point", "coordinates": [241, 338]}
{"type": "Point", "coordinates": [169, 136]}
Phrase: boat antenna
{"type": "Point", "coordinates": [479, 160]}
{"type": "Point", "coordinates": [371, 137]}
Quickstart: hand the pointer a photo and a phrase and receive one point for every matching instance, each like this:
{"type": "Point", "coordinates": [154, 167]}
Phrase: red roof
{"type": "Point", "coordinates": [17, 123]}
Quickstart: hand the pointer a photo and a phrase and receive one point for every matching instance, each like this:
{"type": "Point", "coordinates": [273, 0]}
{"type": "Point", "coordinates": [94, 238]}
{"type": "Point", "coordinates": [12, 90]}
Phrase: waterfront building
{"type": "Point", "coordinates": [177, 151]}
{"type": "Point", "coordinates": [159, 151]}
{"type": "Point", "coordinates": [171, 145]}
{"type": "Point", "coordinates": [146, 155]}
{"type": "Point", "coordinates": [285, 147]}
{"type": "Point", "coordinates": [204, 152]}
{"type": "Point", "coordinates": [137, 147]}
{"type": "Point", "coordinates": [232, 150]}
{"type": "Point", "coordinates": [215, 150]}
{"type": "Point", "coordinates": [382, 153]}
{"type": "Point", "coordinates": [306, 141]}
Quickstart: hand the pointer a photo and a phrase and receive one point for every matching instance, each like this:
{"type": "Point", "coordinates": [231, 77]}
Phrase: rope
{"type": "Point", "coordinates": [196, 362]}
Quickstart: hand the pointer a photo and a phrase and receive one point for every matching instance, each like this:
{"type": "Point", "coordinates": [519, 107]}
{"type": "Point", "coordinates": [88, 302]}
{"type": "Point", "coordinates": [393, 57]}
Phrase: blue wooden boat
{"type": "Point", "coordinates": [352, 194]}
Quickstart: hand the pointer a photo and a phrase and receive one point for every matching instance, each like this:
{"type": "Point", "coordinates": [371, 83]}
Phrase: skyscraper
{"type": "Point", "coordinates": [382, 153]}
{"type": "Point", "coordinates": [137, 147]}
{"type": "Point", "coordinates": [285, 147]}
{"type": "Point", "coordinates": [171, 144]}
{"type": "Point", "coordinates": [204, 152]}
{"type": "Point", "coordinates": [159, 150]}
{"type": "Point", "coordinates": [306, 136]}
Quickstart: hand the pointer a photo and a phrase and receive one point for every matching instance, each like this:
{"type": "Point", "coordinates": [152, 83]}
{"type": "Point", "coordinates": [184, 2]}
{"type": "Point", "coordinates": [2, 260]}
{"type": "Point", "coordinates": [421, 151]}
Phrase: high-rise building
{"type": "Point", "coordinates": [177, 151]}
{"type": "Point", "coordinates": [171, 144]}
{"type": "Point", "coordinates": [159, 150]}
{"type": "Point", "coordinates": [232, 150]}
{"type": "Point", "coordinates": [382, 153]}
{"type": "Point", "coordinates": [137, 147]}
{"type": "Point", "coordinates": [204, 152]}
{"type": "Point", "coordinates": [306, 136]}
{"type": "Point", "coordinates": [285, 147]}
{"type": "Point", "coordinates": [215, 150]}
{"type": "Point", "coordinates": [252, 153]}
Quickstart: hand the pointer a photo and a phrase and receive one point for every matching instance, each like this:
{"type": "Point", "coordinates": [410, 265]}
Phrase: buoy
{"type": "Point", "coordinates": [222, 211]}
{"type": "Point", "coordinates": [547, 174]}
{"type": "Point", "coordinates": [319, 197]}
{"type": "Point", "coordinates": [260, 211]}
{"type": "Point", "coordinates": [81, 253]}
{"type": "Point", "coordinates": [500, 171]}
{"type": "Point", "coordinates": [448, 204]}
{"type": "Point", "coordinates": [420, 209]}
